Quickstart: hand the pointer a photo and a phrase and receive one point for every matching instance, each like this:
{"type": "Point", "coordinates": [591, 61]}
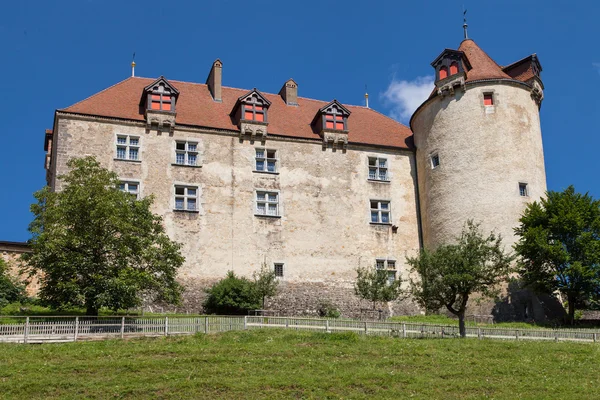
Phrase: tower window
{"type": "Point", "coordinates": [435, 161]}
{"type": "Point", "coordinates": [488, 99]}
{"type": "Point", "coordinates": [454, 68]}
{"type": "Point", "coordinates": [523, 189]}
{"type": "Point", "coordinates": [278, 270]}
{"type": "Point", "coordinates": [443, 72]}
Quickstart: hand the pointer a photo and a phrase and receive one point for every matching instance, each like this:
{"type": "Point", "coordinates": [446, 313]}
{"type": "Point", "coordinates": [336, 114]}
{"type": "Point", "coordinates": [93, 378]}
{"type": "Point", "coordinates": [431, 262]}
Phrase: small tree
{"type": "Point", "coordinates": [266, 283]}
{"type": "Point", "coordinates": [96, 246]}
{"type": "Point", "coordinates": [559, 246]}
{"type": "Point", "coordinates": [11, 290]}
{"type": "Point", "coordinates": [449, 275]}
{"type": "Point", "coordinates": [372, 284]}
{"type": "Point", "coordinates": [232, 296]}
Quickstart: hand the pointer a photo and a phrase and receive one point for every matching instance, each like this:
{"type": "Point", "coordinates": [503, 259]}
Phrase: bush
{"type": "Point", "coordinates": [11, 290]}
{"type": "Point", "coordinates": [328, 310]}
{"type": "Point", "coordinates": [232, 296]}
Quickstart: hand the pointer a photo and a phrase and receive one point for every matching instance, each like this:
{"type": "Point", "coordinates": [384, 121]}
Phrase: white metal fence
{"type": "Point", "coordinates": [67, 329]}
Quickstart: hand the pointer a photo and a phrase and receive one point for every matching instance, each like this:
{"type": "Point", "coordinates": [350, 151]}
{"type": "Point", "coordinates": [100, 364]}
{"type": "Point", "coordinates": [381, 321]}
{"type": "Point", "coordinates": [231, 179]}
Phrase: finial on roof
{"type": "Point", "coordinates": [366, 97]}
{"type": "Point", "coordinates": [465, 23]}
{"type": "Point", "coordinates": [133, 65]}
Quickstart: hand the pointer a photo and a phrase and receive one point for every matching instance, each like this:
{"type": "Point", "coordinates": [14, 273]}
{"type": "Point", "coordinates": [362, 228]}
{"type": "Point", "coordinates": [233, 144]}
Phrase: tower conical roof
{"type": "Point", "coordinates": [483, 67]}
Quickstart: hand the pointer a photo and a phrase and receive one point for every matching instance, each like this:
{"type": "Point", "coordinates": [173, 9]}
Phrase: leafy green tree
{"type": "Point", "coordinates": [96, 246]}
{"type": "Point", "coordinates": [452, 273]}
{"type": "Point", "coordinates": [372, 285]}
{"type": "Point", "coordinates": [11, 290]}
{"type": "Point", "coordinates": [232, 296]}
{"type": "Point", "coordinates": [559, 245]}
{"type": "Point", "coordinates": [265, 282]}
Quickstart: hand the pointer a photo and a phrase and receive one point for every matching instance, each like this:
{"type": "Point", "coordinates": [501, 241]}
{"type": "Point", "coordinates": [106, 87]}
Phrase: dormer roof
{"type": "Point", "coordinates": [482, 65]}
{"type": "Point", "coordinates": [154, 87]}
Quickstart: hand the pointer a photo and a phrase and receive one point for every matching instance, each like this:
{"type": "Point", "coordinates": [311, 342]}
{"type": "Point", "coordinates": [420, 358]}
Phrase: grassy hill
{"type": "Point", "coordinates": [273, 364]}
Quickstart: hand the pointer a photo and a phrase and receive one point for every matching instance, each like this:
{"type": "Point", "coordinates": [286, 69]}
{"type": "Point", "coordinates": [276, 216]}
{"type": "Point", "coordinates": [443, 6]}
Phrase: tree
{"type": "Point", "coordinates": [232, 296]}
{"type": "Point", "coordinates": [96, 246]}
{"type": "Point", "coordinates": [559, 246]}
{"type": "Point", "coordinates": [450, 274]}
{"type": "Point", "coordinates": [11, 290]}
{"type": "Point", "coordinates": [372, 284]}
{"type": "Point", "coordinates": [265, 283]}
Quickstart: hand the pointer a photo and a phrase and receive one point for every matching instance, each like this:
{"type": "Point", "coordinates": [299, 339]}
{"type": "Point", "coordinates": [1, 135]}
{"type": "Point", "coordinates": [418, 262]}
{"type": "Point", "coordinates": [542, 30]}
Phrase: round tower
{"type": "Point", "coordinates": [479, 144]}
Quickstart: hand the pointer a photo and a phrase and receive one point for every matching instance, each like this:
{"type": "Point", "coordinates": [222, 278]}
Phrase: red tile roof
{"type": "Point", "coordinates": [196, 107]}
{"type": "Point", "coordinates": [483, 67]}
{"type": "Point", "coordinates": [521, 70]}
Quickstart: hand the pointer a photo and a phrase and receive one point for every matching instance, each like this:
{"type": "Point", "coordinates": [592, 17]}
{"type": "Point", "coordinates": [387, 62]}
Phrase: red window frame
{"type": "Point", "coordinates": [454, 68]}
{"type": "Point", "coordinates": [488, 99]}
{"type": "Point", "coordinates": [443, 72]}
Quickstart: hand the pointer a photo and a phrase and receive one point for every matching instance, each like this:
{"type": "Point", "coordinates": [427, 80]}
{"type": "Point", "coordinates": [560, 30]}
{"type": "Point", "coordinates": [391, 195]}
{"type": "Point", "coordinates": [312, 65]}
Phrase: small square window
{"type": "Point", "coordinates": [435, 161]}
{"type": "Point", "coordinates": [186, 198]}
{"type": "Point", "coordinates": [128, 147]}
{"type": "Point", "coordinates": [267, 203]}
{"type": "Point", "coordinates": [186, 153]}
{"type": "Point", "coordinates": [278, 270]}
{"type": "Point", "coordinates": [380, 212]}
{"type": "Point", "coordinates": [488, 99]}
{"type": "Point", "coordinates": [268, 163]}
{"type": "Point", "coordinates": [378, 169]}
{"type": "Point", "coordinates": [380, 264]}
{"type": "Point", "coordinates": [523, 189]}
{"type": "Point", "coordinates": [132, 188]}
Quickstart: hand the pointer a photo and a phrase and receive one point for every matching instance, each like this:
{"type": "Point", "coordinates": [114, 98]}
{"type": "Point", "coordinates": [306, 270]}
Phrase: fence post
{"type": "Point", "coordinates": [442, 332]}
{"type": "Point", "coordinates": [594, 337]}
{"type": "Point", "coordinates": [245, 322]}
{"type": "Point", "coordinates": [206, 324]}
{"type": "Point", "coordinates": [26, 338]}
{"type": "Point", "coordinates": [404, 331]}
{"type": "Point", "coordinates": [479, 333]}
{"type": "Point", "coordinates": [556, 335]}
{"type": "Point", "coordinates": [287, 324]}
{"type": "Point", "coordinates": [326, 325]}
{"type": "Point", "coordinates": [76, 329]}
{"type": "Point", "coordinates": [122, 327]}
{"type": "Point", "coordinates": [166, 326]}
{"type": "Point", "coordinates": [516, 334]}
{"type": "Point", "coordinates": [366, 329]}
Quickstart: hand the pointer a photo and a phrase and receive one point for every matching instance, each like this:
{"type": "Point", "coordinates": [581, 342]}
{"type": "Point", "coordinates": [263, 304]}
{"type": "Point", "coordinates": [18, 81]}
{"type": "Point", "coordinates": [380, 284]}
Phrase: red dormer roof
{"type": "Point", "coordinates": [195, 107]}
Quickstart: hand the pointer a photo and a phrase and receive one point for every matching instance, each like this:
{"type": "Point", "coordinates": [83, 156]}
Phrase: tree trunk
{"type": "Point", "coordinates": [461, 324]}
{"type": "Point", "coordinates": [91, 310]}
{"type": "Point", "coordinates": [571, 301]}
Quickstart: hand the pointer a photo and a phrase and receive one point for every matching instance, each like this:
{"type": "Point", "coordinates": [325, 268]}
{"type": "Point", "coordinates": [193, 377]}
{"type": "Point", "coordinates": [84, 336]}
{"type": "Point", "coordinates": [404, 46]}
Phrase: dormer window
{"type": "Point", "coordinates": [334, 119]}
{"type": "Point", "coordinates": [450, 63]}
{"type": "Point", "coordinates": [254, 109]}
{"type": "Point", "coordinates": [333, 116]}
{"type": "Point", "coordinates": [443, 73]}
{"type": "Point", "coordinates": [454, 68]}
{"type": "Point", "coordinates": [160, 96]}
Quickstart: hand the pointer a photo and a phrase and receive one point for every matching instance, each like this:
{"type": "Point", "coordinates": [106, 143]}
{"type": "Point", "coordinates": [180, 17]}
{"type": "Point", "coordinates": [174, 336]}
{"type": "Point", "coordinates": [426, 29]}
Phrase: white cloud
{"type": "Point", "coordinates": [403, 97]}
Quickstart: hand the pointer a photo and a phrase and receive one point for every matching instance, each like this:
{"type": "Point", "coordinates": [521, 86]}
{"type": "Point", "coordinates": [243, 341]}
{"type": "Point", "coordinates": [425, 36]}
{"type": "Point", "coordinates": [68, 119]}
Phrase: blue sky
{"type": "Point", "coordinates": [56, 53]}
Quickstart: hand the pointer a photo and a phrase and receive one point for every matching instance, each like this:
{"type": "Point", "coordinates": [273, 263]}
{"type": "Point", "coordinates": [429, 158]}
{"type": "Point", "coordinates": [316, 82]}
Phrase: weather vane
{"type": "Point", "coordinates": [133, 65]}
{"type": "Point", "coordinates": [465, 22]}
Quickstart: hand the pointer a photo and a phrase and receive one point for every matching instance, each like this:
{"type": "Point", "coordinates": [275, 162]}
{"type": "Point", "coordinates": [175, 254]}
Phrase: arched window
{"type": "Point", "coordinates": [334, 118]}
{"type": "Point", "coordinates": [443, 72]}
{"type": "Point", "coordinates": [162, 98]}
{"type": "Point", "coordinates": [254, 109]}
{"type": "Point", "coordinates": [454, 68]}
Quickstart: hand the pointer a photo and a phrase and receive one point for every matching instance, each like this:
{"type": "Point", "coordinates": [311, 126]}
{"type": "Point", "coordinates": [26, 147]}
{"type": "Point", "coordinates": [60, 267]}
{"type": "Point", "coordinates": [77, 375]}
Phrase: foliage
{"type": "Point", "coordinates": [278, 364]}
{"type": "Point", "coordinates": [559, 246]}
{"type": "Point", "coordinates": [450, 274]}
{"type": "Point", "coordinates": [11, 290]}
{"type": "Point", "coordinates": [265, 283]}
{"type": "Point", "coordinates": [95, 246]}
{"type": "Point", "coordinates": [327, 309]}
{"type": "Point", "coordinates": [372, 285]}
{"type": "Point", "coordinates": [232, 296]}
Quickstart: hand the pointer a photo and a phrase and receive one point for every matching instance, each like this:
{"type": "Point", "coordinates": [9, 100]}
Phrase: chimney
{"type": "Point", "coordinates": [289, 93]}
{"type": "Point", "coordinates": [214, 80]}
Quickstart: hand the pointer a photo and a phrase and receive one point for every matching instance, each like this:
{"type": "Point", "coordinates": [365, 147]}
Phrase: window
{"type": "Point", "coordinates": [130, 187]}
{"type": "Point", "coordinates": [254, 109]}
{"type": "Point", "coordinates": [266, 160]}
{"type": "Point", "coordinates": [128, 147]}
{"type": "Point", "coordinates": [387, 267]}
{"type": "Point", "coordinates": [443, 72]}
{"type": "Point", "coordinates": [186, 153]}
{"type": "Point", "coordinates": [267, 203]}
{"type": "Point", "coordinates": [391, 277]}
{"type": "Point", "coordinates": [186, 198]}
{"type": "Point", "coordinates": [380, 212]}
{"type": "Point", "coordinates": [378, 169]}
{"type": "Point", "coordinates": [334, 119]}
{"type": "Point", "coordinates": [523, 189]}
{"type": "Point", "coordinates": [488, 99]}
{"type": "Point", "coordinates": [454, 68]}
{"type": "Point", "coordinates": [380, 264]}
{"type": "Point", "coordinates": [279, 270]}
{"type": "Point", "coordinates": [435, 161]}
{"type": "Point", "coordinates": [162, 99]}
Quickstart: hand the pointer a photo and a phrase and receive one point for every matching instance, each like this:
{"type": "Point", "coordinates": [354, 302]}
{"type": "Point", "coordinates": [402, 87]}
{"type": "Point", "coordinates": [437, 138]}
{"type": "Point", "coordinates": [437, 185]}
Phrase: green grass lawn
{"type": "Point", "coordinates": [275, 364]}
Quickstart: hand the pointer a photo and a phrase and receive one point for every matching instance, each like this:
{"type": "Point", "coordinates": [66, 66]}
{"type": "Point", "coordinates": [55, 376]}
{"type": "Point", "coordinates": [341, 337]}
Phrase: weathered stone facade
{"type": "Point", "coordinates": [11, 253]}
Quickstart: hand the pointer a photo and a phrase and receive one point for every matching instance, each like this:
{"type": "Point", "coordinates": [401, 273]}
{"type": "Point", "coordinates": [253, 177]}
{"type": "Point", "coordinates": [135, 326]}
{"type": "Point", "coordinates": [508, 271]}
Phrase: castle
{"type": "Point", "coordinates": [315, 189]}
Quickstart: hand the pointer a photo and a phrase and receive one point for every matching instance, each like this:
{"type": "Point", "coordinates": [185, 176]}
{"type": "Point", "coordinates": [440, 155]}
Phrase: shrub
{"type": "Point", "coordinates": [232, 296]}
{"type": "Point", "coordinates": [11, 290]}
{"type": "Point", "coordinates": [328, 310]}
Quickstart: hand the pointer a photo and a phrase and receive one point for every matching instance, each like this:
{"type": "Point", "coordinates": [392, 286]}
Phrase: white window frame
{"type": "Point", "coordinates": [377, 168]}
{"type": "Point", "coordinates": [387, 265]}
{"type": "Point", "coordinates": [266, 159]}
{"type": "Point", "coordinates": [186, 196]}
{"type": "Point", "coordinates": [523, 185]}
{"type": "Point", "coordinates": [282, 266]}
{"type": "Point", "coordinates": [434, 164]}
{"type": "Point", "coordinates": [187, 152]}
{"type": "Point", "coordinates": [128, 147]}
{"type": "Point", "coordinates": [126, 183]}
{"type": "Point", "coordinates": [380, 211]}
{"type": "Point", "coordinates": [265, 200]}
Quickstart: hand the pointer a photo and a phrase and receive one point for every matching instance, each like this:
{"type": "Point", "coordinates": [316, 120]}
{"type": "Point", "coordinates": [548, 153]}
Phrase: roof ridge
{"type": "Point", "coordinates": [97, 93]}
